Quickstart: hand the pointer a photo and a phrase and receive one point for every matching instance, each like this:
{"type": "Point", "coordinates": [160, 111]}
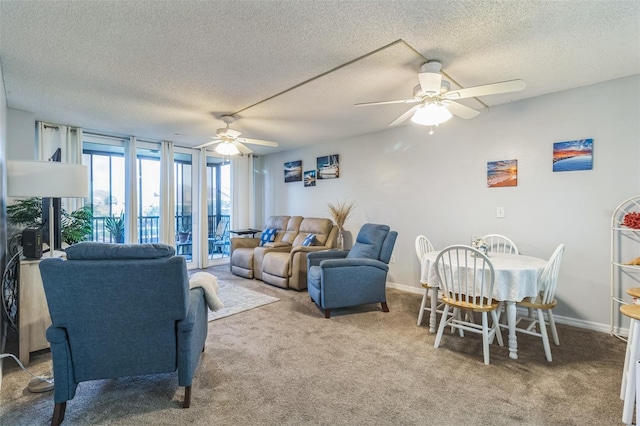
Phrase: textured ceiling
{"type": "Point", "coordinates": [170, 69]}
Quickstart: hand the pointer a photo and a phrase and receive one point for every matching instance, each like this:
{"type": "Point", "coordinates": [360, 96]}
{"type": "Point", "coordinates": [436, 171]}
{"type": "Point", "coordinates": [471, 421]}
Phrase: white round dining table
{"type": "Point", "coordinates": [516, 278]}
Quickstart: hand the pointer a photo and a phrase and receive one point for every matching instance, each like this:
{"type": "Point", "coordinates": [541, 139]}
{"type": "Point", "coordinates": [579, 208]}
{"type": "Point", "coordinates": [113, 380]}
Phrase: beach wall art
{"type": "Point", "coordinates": [293, 171]}
{"type": "Point", "coordinates": [573, 155]}
{"type": "Point", "coordinates": [310, 178]}
{"type": "Point", "coordinates": [502, 173]}
{"type": "Point", "coordinates": [328, 167]}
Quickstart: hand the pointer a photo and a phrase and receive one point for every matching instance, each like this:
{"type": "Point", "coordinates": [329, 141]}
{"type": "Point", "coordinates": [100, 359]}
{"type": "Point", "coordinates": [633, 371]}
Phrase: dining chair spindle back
{"type": "Point", "coordinates": [467, 279]}
{"type": "Point", "coordinates": [544, 301]}
{"type": "Point", "coordinates": [497, 243]}
{"type": "Point", "coordinates": [423, 246]}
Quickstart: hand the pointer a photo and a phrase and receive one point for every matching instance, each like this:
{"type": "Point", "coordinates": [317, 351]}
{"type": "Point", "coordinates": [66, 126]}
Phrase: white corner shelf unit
{"type": "Point", "coordinates": [625, 246]}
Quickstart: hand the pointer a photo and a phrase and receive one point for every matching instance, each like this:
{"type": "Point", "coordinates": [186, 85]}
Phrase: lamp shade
{"type": "Point", "coordinates": [227, 148]}
{"type": "Point", "coordinates": [431, 114]}
{"type": "Point", "coordinates": [47, 179]}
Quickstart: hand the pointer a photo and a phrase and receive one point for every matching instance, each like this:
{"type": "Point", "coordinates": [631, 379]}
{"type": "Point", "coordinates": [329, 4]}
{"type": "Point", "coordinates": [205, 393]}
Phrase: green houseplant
{"type": "Point", "coordinates": [115, 226]}
{"type": "Point", "coordinates": [76, 226]}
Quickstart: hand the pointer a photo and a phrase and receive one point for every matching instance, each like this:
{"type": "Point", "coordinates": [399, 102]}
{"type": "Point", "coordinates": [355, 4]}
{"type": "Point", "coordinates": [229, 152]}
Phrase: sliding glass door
{"type": "Point", "coordinates": [218, 187]}
{"type": "Point", "coordinates": [105, 158]}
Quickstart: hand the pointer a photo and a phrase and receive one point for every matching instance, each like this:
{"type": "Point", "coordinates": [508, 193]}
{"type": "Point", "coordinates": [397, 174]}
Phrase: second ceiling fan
{"type": "Point", "coordinates": [437, 102]}
{"type": "Point", "coordinates": [229, 143]}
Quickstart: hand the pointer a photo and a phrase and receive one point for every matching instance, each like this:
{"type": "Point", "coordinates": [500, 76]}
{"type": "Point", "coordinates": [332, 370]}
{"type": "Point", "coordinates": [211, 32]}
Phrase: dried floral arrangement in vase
{"type": "Point", "coordinates": [340, 212]}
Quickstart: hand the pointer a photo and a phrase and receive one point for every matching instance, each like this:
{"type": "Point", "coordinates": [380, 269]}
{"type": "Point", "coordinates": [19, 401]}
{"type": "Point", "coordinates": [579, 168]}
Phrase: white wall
{"type": "Point", "coordinates": [436, 185]}
{"type": "Point", "coordinates": [21, 135]}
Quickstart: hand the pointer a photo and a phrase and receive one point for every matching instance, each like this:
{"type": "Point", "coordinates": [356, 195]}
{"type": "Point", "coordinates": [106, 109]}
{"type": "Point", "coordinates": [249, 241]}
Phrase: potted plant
{"type": "Point", "coordinates": [76, 226]}
{"type": "Point", "coordinates": [115, 226]}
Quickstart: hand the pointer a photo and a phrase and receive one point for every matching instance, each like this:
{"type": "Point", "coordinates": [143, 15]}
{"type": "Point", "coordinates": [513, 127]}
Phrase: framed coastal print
{"type": "Point", "coordinates": [502, 173]}
{"type": "Point", "coordinates": [310, 178]}
{"type": "Point", "coordinates": [328, 167]}
{"type": "Point", "coordinates": [573, 155]}
{"type": "Point", "coordinates": [293, 171]}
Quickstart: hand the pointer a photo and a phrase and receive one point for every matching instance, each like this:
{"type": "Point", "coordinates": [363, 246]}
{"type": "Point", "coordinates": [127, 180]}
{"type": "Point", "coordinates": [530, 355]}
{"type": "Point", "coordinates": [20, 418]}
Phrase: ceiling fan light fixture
{"type": "Point", "coordinates": [227, 148]}
{"type": "Point", "coordinates": [431, 114]}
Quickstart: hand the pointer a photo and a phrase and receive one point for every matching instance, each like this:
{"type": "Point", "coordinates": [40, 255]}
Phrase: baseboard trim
{"type": "Point", "coordinates": [574, 322]}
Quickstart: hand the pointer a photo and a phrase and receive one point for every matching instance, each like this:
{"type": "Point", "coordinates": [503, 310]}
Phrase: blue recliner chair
{"type": "Point", "coordinates": [338, 279]}
{"type": "Point", "coordinates": [121, 310]}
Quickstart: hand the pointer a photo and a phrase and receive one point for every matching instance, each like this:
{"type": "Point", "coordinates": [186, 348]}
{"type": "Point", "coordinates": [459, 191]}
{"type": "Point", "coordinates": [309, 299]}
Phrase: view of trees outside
{"type": "Point", "coordinates": [107, 178]}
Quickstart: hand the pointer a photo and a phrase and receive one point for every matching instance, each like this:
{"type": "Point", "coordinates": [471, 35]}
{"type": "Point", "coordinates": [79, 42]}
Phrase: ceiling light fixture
{"type": "Point", "coordinates": [227, 148]}
{"type": "Point", "coordinates": [431, 114]}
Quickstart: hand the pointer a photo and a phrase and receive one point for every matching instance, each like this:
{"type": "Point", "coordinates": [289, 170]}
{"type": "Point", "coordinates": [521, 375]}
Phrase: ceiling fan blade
{"type": "Point", "coordinates": [487, 89]}
{"type": "Point", "coordinates": [402, 101]}
{"type": "Point", "coordinates": [213, 142]}
{"type": "Point", "coordinates": [260, 142]}
{"type": "Point", "coordinates": [404, 116]}
{"type": "Point", "coordinates": [242, 148]}
{"type": "Point", "coordinates": [460, 110]}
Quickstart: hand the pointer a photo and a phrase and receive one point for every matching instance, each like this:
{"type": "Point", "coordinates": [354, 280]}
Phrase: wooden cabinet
{"type": "Point", "coordinates": [33, 312]}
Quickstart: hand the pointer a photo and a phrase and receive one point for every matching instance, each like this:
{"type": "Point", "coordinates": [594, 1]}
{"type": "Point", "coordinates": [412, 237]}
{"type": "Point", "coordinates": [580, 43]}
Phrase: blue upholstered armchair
{"type": "Point", "coordinates": [337, 279]}
{"type": "Point", "coordinates": [121, 310]}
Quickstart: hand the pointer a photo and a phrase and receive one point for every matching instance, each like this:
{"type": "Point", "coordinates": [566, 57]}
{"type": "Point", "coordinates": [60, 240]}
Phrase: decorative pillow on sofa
{"type": "Point", "coordinates": [309, 240]}
{"type": "Point", "coordinates": [268, 236]}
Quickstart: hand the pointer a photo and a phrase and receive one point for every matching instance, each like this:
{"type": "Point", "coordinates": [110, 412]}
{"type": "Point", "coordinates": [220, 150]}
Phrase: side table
{"type": "Point", "coordinates": [33, 312]}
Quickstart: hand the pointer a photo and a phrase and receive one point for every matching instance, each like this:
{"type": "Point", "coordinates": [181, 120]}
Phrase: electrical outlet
{"type": "Point", "coordinates": [500, 212]}
{"type": "Point", "coordinates": [393, 259]}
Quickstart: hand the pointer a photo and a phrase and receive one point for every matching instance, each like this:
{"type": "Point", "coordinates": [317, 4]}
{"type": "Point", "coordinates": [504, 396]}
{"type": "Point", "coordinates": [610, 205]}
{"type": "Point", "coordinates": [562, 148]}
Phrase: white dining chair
{"type": "Point", "coordinates": [423, 246]}
{"type": "Point", "coordinates": [545, 301]}
{"type": "Point", "coordinates": [466, 278]}
{"type": "Point", "coordinates": [497, 243]}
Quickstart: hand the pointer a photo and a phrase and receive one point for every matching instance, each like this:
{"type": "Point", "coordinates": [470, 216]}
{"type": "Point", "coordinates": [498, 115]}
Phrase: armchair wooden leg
{"type": "Point", "coordinates": [327, 313]}
{"type": "Point", "coordinates": [385, 308]}
{"type": "Point", "coordinates": [187, 397]}
{"type": "Point", "coordinates": [58, 413]}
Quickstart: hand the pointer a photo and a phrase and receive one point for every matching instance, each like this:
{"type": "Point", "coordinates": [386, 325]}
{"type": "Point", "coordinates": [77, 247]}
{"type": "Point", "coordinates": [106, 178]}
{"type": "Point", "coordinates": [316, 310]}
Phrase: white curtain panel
{"type": "Point", "coordinates": [131, 191]}
{"type": "Point", "coordinates": [167, 195]}
{"type": "Point", "coordinates": [242, 192]}
{"type": "Point", "coordinates": [50, 137]}
{"type": "Point", "coordinates": [203, 214]}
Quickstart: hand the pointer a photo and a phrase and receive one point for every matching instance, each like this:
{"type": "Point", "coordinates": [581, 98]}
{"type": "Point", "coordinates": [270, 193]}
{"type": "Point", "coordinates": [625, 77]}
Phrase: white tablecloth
{"type": "Point", "coordinates": [516, 275]}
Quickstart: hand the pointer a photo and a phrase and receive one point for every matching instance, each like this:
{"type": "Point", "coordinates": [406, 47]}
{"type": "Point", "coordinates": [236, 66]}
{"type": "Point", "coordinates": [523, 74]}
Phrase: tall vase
{"type": "Point", "coordinates": [340, 240]}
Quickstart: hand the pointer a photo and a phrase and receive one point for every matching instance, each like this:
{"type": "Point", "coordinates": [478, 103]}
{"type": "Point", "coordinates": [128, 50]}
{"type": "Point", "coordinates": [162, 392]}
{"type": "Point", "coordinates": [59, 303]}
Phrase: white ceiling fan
{"type": "Point", "coordinates": [436, 102]}
{"type": "Point", "coordinates": [230, 144]}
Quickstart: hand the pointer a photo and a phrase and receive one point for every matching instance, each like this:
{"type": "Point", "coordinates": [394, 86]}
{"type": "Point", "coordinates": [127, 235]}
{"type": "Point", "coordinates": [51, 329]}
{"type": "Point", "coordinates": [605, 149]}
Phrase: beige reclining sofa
{"type": "Point", "coordinates": [283, 262]}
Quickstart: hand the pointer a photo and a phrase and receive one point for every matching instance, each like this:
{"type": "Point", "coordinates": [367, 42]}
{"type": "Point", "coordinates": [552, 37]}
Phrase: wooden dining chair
{"type": "Point", "coordinates": [423, 246]}
{"type": "Point", "coordinates": [466, 279]}
{"type": "Point", "coordinates": [545, 301]}
{"type": "Point", "coordinates": [497, 243]}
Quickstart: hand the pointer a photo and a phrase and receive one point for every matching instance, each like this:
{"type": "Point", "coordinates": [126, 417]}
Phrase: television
{"type": "Point", "coordinates": [57, 214]}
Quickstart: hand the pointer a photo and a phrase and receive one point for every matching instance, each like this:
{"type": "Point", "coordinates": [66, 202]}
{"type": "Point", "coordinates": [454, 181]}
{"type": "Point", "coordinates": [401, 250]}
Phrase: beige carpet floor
{"type": "Point", "coordinates": [284, 364]}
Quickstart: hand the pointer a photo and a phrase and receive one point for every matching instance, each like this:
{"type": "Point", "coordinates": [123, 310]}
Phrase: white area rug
{"type": "Point", "coordinates": [238, 299]}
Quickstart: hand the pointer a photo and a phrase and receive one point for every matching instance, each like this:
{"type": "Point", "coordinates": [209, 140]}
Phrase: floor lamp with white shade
{"type": "Point", "coordinates": [53, 180]}
{"type": "Point", "coordinates": [47, 179]}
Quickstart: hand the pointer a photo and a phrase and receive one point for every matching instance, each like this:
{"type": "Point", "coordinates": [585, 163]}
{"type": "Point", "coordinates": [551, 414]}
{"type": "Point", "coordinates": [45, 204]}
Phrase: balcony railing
{"type": "Point", "coordinates": [149, 227]}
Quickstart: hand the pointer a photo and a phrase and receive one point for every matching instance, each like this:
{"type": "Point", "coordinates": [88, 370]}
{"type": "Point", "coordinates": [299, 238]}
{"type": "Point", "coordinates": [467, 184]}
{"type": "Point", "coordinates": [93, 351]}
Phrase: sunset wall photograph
{"type": "Point", "coordinates": [502, 173]}
{"type": "Point", "coordinates": [573, 155]}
